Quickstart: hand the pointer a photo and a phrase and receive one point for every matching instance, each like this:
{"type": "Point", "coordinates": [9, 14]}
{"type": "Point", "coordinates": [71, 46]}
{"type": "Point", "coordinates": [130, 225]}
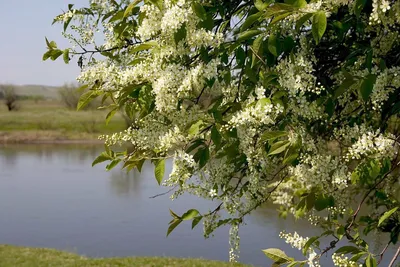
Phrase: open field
{"type": "Point", "coordinates": [11, 256]}
{"type": "Point", "coordinates": [48, 120]}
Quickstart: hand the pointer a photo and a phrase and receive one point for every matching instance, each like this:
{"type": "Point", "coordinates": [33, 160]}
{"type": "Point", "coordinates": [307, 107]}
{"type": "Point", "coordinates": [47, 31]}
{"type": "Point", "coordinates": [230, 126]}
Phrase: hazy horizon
{"type": "Point", "coordinates": [24, 25]}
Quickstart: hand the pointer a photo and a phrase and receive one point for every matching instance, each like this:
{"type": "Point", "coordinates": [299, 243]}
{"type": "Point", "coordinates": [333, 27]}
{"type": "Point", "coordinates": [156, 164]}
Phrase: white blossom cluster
{"type": "Point", "coordinates": [373, 144]}
{"type": "Point", "coordinates": [341, 260]}
{"type": "Point", "coordinates": [298, 242]}
{"type": "Point", "coordinates": [379, 8]}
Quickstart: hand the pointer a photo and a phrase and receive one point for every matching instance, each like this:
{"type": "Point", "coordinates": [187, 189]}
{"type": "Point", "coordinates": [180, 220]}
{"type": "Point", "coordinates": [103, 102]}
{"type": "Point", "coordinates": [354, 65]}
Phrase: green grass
{"type": "Point", "coordinates": [11, 256]}
{"type": "Point", "coordinates": [51, 120]}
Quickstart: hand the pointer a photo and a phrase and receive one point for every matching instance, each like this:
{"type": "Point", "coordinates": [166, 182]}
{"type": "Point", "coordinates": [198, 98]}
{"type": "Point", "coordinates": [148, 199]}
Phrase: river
{"type": "Point", "coordinates": [50, 196]}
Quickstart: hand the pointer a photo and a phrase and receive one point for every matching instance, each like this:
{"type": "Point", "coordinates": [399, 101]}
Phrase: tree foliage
{"type": "Point", "coordinates": [292, 102]}
{"type": "Point", "coordinates": [9, 96]}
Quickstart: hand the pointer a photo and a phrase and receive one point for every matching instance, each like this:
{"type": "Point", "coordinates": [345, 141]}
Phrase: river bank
{"type": "Point", "coordinates": [13, 256]}
{"type": "Point", "coordinates": [49, 121]}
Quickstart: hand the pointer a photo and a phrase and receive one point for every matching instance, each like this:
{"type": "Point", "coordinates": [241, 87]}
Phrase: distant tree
{"type": "Point", "coordinates": [9, 96]}
{"type": "Point", "coordinates": [69, 95]}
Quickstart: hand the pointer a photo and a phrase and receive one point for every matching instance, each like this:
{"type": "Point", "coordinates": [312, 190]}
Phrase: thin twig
{"type": "Point", "coordinates": [394, 257]}
{"type": "Point", "coordinates": [255, 53]}
{"type": "Point", "coordinates": [162, 194]}
{"type": "Point", "coordinates": [383, 252]}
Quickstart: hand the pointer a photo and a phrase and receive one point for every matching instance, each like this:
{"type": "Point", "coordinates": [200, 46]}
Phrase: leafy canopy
{"type": "Point", "coordinates": [291, 102]}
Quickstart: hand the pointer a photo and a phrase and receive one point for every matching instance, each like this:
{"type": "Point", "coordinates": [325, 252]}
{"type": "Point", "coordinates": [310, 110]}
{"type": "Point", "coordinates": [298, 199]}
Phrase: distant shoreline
{"type": "Point", "coordinates": [47, 137]}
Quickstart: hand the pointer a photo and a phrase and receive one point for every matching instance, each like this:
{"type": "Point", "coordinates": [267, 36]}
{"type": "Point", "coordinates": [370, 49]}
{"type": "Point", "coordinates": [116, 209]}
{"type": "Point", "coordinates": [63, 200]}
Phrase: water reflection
{"type": "Point", "coordinates": [126, 183]}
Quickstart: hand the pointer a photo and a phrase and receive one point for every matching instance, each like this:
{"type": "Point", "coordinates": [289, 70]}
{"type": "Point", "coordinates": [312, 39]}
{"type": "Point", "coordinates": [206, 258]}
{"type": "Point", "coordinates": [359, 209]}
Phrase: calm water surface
{"type": "Point", "coordinates": [50, 196]}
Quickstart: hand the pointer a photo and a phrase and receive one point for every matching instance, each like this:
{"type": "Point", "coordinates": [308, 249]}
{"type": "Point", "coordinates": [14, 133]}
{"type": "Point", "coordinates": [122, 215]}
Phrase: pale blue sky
{"type": "Point", "coordinates": [23, 27]}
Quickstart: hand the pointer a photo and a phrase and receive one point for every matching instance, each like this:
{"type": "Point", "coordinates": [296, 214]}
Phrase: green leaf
{"type": "Point", "coordinates": [172, 225]}
{"type": "Point", "coordinates": [371, 261]}
{"type": "Point", "coordinates": [144, 46]}
{"type": "Point", "coordinates": [277, 255]}
{"type": "Point", "coordinates": [345, 85]}
{"type": "Point", "coordinates": [319, 25]}
{"type": "Point", "coordinates": [199, 10]}
{"type": "Point", "coordinates": [180, 34]}
{"type": "Point", "coordinates": [46, 55]}
{"type": "Point", "coordinates": [195, 128]}
{"type": "Point", "coordinates": [101, 158]}
{"type": "Point", "coordinates": [86, 98]}
{"type": "Point", "coordinates": [158, 3]}
{"type": "Point", "coordinates": [190, 214]}
{"type": "Point", "coordinates": [257, 50]}
{"type": "Point", "coordinates": [358, 256]}
{"type": "Point", "coordinates": [322, 202]}
{"type": "Point", "coordinates": [309, 242]}
{"type": "Point", "coordinates": [51, 45]}
{"type": "Point", "coordinates": [248, 34]}
{"type": "Point", "coordinates": [216, 136]}
{"type": "Point", "coordinates": [159, 170]}
{"type": "Point", "coordinates": [56, 53]}
{"type": "Point", "coordinates": [250, 21]}
{"type": "Point", "coordinates": [279, 17]}
{"type": "Point", "coordinates": [360, 4]}
{"type": "Point", "coordinates": [130, 7]}
{"type": "Point", "coordinates": [386, 215]}
{"type": "Point", "coordinates": [273, 45]}
{"type": "Point", "coordinates": [110, 115]}
{"type": "Point", "coordinates": [278, 147]}
{"type": "Point", "coordinates": [196, 221]}
{"type": "Point", "coordinates": [367, 86]}
{"type": "Point", "coordinates": [273, 135]}
{"type": "Point", "coordinates": [66, 56]}
{"type": "Point", "coordinates": [174, 215]}
{"type": "Point", "coordinates": [330, 107]}
{"type": "Point", "coordinates": [347, 249]}
{"type": "Point", "coordinates": [302, 20]}
{"type": "Point", "coordinates": [297, 3]}
{"type": "Point", "coordinates": [203, 155]}
{"type": "Point", "coordinates": [261, 5]}
{"type": "Point", "coordinates": [113, 164]}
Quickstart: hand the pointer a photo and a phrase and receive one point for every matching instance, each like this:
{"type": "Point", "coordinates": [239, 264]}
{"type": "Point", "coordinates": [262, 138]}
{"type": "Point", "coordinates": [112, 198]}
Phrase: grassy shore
{"type": "Point", "coordinates": [12, 256]}
{"type": "Point", "coordinates": [49, 121]}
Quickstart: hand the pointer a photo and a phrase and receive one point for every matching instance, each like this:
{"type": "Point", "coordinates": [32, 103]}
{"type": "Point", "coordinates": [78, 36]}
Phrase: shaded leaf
{"type": "Point", "coordinates": [66, 56]}
{"type": "Point", "coordinates": [196, 221]}
{"type": "Point", "coordinates": [199, 10]}
{"type": "Point", "coordinates": [273, 45]}
{"type": "Point", "coordinates": [172, 225]}
{"type": "Point", "coordinates": [302, 20]}
{"type": "Point", "coordinates": [216, 136]}
{"type": "Point", "coordinates": [248, 34]}
{"type": "Point", "coordinates": [309, 242]}
{"type": "Point", "coordinates": [359, 6]}
{"type": "Point", "coordinates": [113, 164]}
{"type": "Point", "coordinates": [101, 158]}
{"type": "Point", "coordinates": [250, 21]}
{"type": "Point", "coordinates": [367, 86]}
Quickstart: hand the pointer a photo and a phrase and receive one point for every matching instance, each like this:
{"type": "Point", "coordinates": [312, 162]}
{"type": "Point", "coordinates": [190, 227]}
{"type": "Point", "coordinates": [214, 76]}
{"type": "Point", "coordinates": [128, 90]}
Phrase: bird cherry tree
{"type": "Point", "coordinates": [292, 102]}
